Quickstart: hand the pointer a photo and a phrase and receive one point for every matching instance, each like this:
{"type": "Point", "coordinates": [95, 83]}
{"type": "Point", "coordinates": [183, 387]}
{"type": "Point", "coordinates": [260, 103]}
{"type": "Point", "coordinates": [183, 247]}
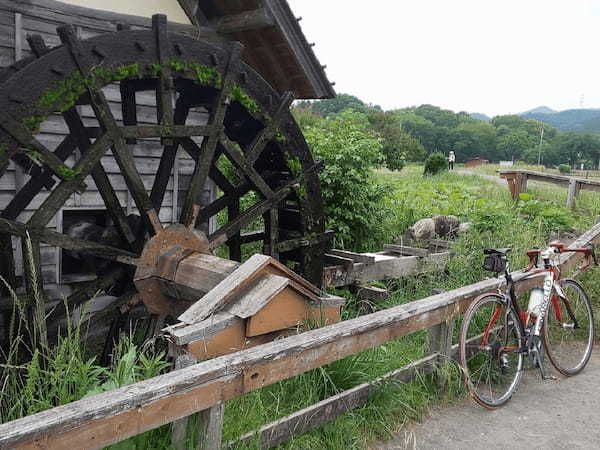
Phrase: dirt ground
{"type": "Point", "coordinates": [541, 415]}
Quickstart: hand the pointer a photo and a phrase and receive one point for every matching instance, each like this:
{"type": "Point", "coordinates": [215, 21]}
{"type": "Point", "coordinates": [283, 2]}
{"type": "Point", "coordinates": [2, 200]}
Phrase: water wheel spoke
{"type": "Point", "coordinates": [272, 231]}
{"type": "Point", "coordinates": [7, 263]}
{"type": "Point", "coordinates": [56, 239]}
{"type": "Point", "coordinates": [247, 217]}
{"type": "Point", "coordinates": [165, 92]}
{"type": "Point", "coordinates": [235, 241]}
{"type": "Point", "coordinates": [167, 161]}
{"type": "Point", "coordinates": [128, 105]}
{"type": "Point", "coordinates": [106, 119]}
{"type": "Point", "coordinates": [101, 180]}
{"type": "Point", "coordinates": [34, 149]}
{"type": "Point", "coordinates": [224, 201]}
{"type": "Point", "coordinates": [86, 292]}
{"type": "Point", "coordinates": [63, 191]}
{"type": "Point", "coordinates": [209, 144]}
{"type": "Point", "coordinates": [260, 141]}
{"type": "Point", "coordinates": [214, 173]}
{"type": "Point", "coordinates": [37, 182]}
{"type": "Point", "coordinates": [240, 161]}
{"type": "Point", "coordinates": [175, 131]}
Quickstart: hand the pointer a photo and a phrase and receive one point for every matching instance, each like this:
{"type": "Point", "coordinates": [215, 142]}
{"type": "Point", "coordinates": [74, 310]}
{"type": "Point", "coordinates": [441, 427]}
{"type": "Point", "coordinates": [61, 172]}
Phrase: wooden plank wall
{"type": "Point", "coordinates": [16, 21]}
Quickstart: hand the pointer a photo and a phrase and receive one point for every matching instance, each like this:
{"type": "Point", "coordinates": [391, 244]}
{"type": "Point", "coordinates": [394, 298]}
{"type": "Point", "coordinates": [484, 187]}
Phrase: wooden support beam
{"type": "Point", "coordinates": [328, 410]}
{"type": "Point", "coordinates": [371, 293]}
{"type": "Point", "coordinates": [293, 244]}
{"type": "Point", "coordinates": [247, 20]}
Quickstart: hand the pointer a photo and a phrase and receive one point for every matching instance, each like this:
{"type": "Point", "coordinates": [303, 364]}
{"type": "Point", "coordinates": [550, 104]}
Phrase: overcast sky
{"type": "Point", "coordinates": [494, 57]}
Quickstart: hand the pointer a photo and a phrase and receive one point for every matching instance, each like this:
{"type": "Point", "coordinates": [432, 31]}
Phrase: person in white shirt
{"type": "Point", "coordinates": [451, 160]}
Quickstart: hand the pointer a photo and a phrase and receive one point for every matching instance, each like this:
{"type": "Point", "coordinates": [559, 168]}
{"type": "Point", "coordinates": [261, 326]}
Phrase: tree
{"type": "Point", "coordinates": [572, 148]}
{"type": "Point", "coordinates": [397, 145]}
{"type": "Point", "coordinates": [332, 106]}
{"type": "Point", "coordinates": [513, 144]}
{"type": "Point", "coordinates": [352, 197]}
{"type": "Point", "coordinates": [473, 138]}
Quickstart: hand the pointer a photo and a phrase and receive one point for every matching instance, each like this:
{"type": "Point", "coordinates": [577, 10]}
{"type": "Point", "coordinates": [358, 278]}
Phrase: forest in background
{"type": "Point", "coordinates": [411, 134]}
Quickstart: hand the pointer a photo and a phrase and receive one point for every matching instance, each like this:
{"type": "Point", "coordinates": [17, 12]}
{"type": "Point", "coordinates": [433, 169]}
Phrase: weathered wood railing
{"type": "Point", "coordinates": [517, 183]}
{"type": "Point", "coordinates": [107, 418]}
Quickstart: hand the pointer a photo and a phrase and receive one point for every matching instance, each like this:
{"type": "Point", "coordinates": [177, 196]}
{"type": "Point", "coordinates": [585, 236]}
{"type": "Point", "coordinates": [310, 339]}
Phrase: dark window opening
{"type": "Point", "coordinates": [86, 224]}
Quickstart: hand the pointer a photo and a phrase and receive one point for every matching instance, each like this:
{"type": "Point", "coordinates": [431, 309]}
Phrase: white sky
{"type": "Point", "coordinates": [494, 57]}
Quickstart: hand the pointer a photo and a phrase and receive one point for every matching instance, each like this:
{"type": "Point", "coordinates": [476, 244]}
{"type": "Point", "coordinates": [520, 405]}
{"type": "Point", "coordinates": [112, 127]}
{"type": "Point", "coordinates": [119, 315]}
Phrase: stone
{"type": "Point", "coordinates": [423, 229]}
{"type": "Point", "coordinates": [464, 227]}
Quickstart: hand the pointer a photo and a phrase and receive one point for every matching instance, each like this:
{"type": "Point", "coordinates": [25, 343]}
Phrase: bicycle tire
{"type": "Point", "coordinates": [569, 348]}
{"type": "Point", "coordinates": [485, 360]}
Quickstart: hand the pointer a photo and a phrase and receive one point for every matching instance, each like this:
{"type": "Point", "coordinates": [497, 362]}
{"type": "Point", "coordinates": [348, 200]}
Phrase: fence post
{"type": "Point", "coordinates": [439, 339]}
{"type": "Point", "coordinates": [573, 191]}
{"type": "Point", "coordinates": [179, 427]}
{"type": "Point", "coordinates": [211, 427]}
{"type": "Point", "coordinates": [210, 420]}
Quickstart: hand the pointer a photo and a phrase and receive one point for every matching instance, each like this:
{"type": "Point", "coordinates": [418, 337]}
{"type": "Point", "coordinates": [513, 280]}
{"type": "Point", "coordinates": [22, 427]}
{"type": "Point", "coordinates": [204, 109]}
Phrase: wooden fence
{"type": "Point", "coordinates": [111, 417]}
{"type": "Point", "coordinates": [517, 183]}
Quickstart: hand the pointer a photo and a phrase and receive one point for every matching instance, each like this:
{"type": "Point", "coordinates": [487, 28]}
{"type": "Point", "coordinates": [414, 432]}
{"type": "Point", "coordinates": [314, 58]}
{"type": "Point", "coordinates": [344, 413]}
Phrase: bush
{"type": "Point", "coordinates": [435, 164]}
{"type": "Point", "coordinates": [352, 197]}
{"type": "Point", "coordinates": [564, 168]}
{"type": "Point", "coordinates": [547, 216]}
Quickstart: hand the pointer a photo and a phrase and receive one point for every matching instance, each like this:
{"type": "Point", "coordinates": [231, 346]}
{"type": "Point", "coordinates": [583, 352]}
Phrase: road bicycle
{"type": "Point", "coordinates": [497, 335]}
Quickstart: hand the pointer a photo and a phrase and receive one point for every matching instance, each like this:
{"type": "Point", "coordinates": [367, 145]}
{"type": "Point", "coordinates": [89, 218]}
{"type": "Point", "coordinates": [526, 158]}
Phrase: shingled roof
{"type": "Point", "coordinates": [275, 44]}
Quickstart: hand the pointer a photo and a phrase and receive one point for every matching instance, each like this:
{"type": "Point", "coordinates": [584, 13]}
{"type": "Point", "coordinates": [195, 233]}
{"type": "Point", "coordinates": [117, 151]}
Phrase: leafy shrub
{"type": "Point", "coordinates": [564, 168]}
{"type": "Point", "coordinates": [489, 216]}
{"type": "Point", "coordinates": [550, 217]}
{"type": "Point", "coordinates": [395, 160]}
{"type": "Point", "coordinates": [435, 163]}
{"type": "Point", "coordinates": [352, 197]}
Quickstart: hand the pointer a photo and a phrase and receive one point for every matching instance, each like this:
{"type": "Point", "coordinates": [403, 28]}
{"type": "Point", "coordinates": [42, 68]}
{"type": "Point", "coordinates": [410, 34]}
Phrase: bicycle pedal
{"type": "Point", "coordinates": [549, 378]}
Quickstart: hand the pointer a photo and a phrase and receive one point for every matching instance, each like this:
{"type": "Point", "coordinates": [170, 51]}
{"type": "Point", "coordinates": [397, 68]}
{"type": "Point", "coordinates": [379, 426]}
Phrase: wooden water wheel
{"type": "Point", "coordinates": [207, 104]}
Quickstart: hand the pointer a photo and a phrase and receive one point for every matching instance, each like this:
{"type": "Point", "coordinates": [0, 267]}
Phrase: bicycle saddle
{"type": "Point", "coordinates": [496, 251]}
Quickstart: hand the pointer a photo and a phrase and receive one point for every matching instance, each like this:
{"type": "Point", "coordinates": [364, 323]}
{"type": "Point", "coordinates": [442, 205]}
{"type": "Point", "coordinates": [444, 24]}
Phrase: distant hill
{"type": "Point", "coordinates": [540, 110]}
{"type": "Point", "coordinates": [480, 116]}
{"type": "Point", "coordinates": [577, 120]}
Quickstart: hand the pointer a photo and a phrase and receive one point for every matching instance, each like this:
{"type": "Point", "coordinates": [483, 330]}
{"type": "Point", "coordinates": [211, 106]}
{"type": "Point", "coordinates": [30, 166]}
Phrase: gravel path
{"type": "Point", "coordinates": [491, 178]}
{"type": "Point", "coordinates": [541, 415]}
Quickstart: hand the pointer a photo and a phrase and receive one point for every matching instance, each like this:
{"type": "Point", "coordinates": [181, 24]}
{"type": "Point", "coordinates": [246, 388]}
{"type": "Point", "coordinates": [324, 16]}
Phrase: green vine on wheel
{"type": "Point", "coordinates": [65, 93]}
{"type": "Point", "coordinates": [66, 173]}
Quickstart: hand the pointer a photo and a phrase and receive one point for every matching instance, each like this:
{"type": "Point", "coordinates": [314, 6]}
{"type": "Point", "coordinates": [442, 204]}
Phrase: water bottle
{"type": "Point", "coordinates": [536, 299]}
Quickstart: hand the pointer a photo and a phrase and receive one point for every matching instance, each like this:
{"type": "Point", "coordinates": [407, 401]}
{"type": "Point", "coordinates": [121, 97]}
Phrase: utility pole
{"type": "Point", "coordinates": [541, 141]}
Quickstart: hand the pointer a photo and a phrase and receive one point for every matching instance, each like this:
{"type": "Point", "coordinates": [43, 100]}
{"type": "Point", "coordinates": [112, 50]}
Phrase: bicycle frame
{"type": "Point", "coordinates": [552, 293]}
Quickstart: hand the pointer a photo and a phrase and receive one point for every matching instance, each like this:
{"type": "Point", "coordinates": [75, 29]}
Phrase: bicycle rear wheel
{"type": "Point", "coordinates": [569, 329]}
{"type": "Point", "coordinates": [490, 341]}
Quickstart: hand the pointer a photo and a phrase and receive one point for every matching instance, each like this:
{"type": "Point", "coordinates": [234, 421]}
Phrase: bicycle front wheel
{"type": "Point", "coordinates": [569, 329]}
{"type": "Point", "coordinates": [490, 345]}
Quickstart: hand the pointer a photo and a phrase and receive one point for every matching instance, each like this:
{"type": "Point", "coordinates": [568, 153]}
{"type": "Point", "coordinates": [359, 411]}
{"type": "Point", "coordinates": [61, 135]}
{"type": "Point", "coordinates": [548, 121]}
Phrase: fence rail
{"type": "Point", "coordinates": [517, 183]}
{"type": "Point", "coordinates": [108, 418]}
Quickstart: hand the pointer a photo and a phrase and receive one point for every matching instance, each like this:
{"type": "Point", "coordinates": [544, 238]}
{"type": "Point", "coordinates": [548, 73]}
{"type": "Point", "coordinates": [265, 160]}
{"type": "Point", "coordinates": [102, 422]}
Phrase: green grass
{"type": "Point", "coordinates": [497, 222]}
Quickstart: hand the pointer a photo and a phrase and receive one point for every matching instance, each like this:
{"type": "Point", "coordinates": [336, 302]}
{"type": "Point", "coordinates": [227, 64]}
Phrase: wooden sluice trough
{"type": "Point", "coordinates": [345, 268]}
